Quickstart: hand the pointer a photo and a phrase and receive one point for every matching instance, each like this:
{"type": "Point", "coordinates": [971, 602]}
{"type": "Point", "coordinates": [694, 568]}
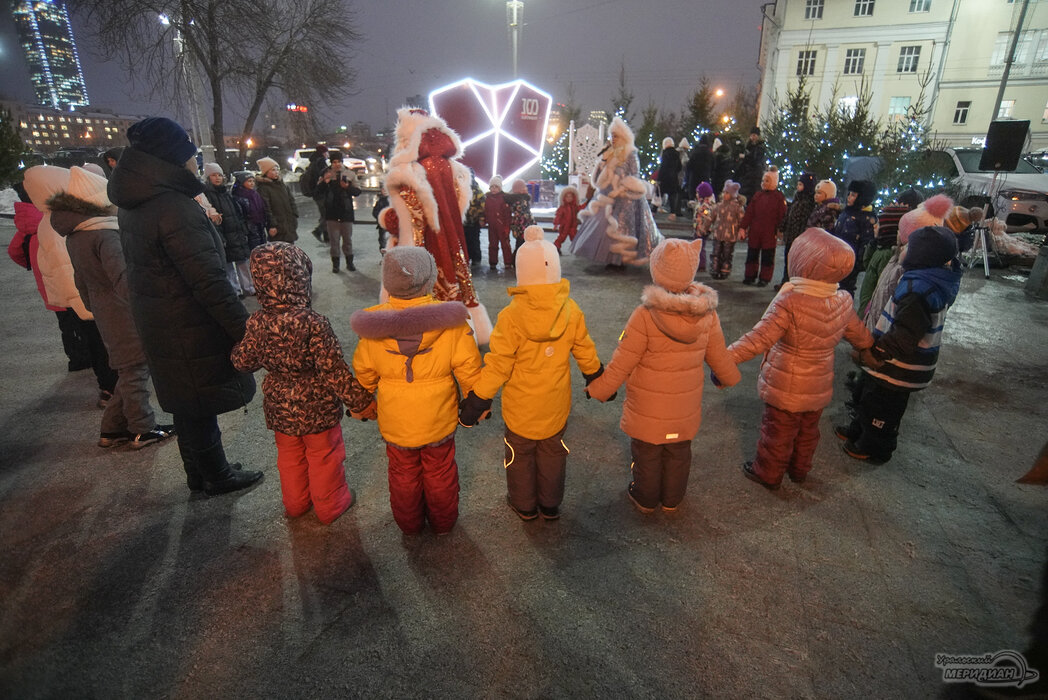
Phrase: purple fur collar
{"type": "Point", "coordinates": [411, 321]}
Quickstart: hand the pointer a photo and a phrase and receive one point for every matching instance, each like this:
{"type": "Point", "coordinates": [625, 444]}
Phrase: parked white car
{"type": "Point", "coordinates": [299, 161]}
{"type": "Point", "coordinates": [1019, 199]}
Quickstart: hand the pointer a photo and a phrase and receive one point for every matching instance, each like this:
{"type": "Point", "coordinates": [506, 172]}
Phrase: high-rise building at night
{"type": "Point", "coordinates": [54, 65]}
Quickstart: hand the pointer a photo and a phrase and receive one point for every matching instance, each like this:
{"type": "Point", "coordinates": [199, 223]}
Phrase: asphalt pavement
{"type": "Point", "coordinates": [115, 582]}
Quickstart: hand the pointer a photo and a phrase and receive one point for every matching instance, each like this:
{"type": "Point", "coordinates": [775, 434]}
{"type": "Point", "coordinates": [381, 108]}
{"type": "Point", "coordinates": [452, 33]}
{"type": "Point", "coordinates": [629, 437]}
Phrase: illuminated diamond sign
{"type": "Point", "coordinates": [502, 127]}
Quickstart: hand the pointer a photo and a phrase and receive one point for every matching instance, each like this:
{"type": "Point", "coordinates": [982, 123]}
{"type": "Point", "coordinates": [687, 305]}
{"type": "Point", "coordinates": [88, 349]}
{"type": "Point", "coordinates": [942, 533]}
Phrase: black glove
{"type": "Point", "coordinates": [589, 380]}
{"type": "Point", "coordinates": [590, 377]}
{"type": "Point", "coordinates": [473, 409]}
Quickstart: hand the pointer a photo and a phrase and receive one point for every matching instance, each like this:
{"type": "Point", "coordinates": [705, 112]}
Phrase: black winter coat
{"type": "Point", "coordinates": [336, 196]}
{"type": "Point", "coordinates": [186, 311]}
{"type": "Point", "coordinates": [751, 168]}
{"type": "Point", "coordinates": [232, 228]}
{"type": "Point", "coordinates": [669, 171]}
{"type": "Point", "coordinates": [700, 168]}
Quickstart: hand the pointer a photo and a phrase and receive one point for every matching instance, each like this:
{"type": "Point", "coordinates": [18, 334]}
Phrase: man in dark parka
{"type": "Point", "coordinates": [184, 306]}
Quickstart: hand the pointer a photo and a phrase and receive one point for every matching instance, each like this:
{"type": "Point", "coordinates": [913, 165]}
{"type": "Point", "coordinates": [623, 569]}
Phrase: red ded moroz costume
{"type": "Point", "coordinates": [429, 192]}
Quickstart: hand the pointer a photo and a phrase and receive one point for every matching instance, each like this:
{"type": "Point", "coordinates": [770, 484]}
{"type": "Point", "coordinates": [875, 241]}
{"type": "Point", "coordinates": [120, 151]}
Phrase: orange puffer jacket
{"type": "Point", "coordinates": [802, 326]}
{"type": "Point", "coordinates": [661, 356]}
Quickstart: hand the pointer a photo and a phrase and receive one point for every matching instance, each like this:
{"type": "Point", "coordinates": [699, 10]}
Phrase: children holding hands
{"type": "Point", "coordinates": [532, 344]}
{"type": "Point", "coordinates": [668, 339]}
{"type": "Point", "coordinates": [797, 336]}
{"type": "Point", "coordinates": [417, 354]}
{"type": "Point", "coordinates": [307, 383]}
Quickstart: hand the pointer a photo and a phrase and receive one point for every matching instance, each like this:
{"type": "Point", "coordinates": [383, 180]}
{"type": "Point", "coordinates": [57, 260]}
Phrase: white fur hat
{"type": "Point", "coordinates": [684, 144]}
{"type": "Point", "coordinates": [537, 259]}
{"type": "Point", "coordinates": [214, 168]}
{"type": "Point", "coordinates": [89, 187]}
{"type": "Point", "coordinates": [619, 127]}
{"type": "Point", "coordinates": [266, 164]}
{"type": "Point", "coordinates": [668, 142]}
{"type": "Point", "coordinates": [674, 262]}
{"type": "Point", "coordinates": [770, 180]}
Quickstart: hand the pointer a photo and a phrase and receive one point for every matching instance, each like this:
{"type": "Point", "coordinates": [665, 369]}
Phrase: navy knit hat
{"type": "Point", "coordinates": [931, 246]}
{"type": "Point", "coordinates": [163, 138]}
{"type": "Point", "coordinates": [911, 197]}
{"type": "Point", "coordinates": [809, 182]}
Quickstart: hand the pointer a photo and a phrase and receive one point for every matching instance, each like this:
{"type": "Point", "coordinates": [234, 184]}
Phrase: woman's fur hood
{"type": "Point", "coordinates": [380, 323]}
{"type": "Point", "coordinates": [679, 316]}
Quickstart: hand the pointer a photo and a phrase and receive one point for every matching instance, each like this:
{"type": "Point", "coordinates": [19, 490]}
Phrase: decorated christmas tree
{"type": "Point", "coordinates": [554, 165]}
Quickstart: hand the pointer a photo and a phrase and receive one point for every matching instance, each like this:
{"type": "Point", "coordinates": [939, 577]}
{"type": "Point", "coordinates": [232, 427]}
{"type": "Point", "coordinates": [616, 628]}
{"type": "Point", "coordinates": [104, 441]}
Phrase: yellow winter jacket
{"type": "Point", "coordinates": [531, 346]}
{"type": "Point", "coordinates": [410, 354]}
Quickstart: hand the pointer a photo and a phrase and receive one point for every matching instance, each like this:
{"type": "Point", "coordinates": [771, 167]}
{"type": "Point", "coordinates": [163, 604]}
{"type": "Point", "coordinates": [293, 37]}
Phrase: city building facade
{"type": "Point", "coordinates": [46, 130]}
{"type": "Point", "coordinates": [953, 52]}
{"type": "Point", "coordinates": [50, 51]}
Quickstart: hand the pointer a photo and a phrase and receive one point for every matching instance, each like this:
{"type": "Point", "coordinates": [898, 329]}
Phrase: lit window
{"type": "Point", "coordinates": [864, 8]}
{"type": "Point", "coordinates": [813, 9]}
{"type": "Point", "coordinates": [898, 107]}
{"type": "Point", "coordinates": [847, 105]}
{"type": "Point", "coordinates": [806, 63]}
{"type": "Point", "coordinates": [1006, 109]}
{"type": "Point", "coordinates": [960, 114]}
{"type": "Point", "coordinates": [920, 5]}
{"type": "Point", "coordinates": [909, 57]}
{"type": "Point", "coordinates": [853, 61]}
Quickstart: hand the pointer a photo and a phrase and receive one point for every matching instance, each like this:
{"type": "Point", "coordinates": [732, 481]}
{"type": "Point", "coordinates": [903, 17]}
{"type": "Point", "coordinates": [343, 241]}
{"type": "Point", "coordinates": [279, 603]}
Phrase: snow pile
{"type": "Point", "coordinates": [8, 197]}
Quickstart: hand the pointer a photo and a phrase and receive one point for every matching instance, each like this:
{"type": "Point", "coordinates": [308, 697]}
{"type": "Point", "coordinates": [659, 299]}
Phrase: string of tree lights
{"type": "Point", "coordinates": [823, 140]}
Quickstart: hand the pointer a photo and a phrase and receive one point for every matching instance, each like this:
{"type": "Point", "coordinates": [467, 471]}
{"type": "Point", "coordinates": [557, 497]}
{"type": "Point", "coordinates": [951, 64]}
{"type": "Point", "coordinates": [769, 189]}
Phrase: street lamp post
{"type": "Point", "coordinates": [196, 114]}
{"type": "Point", "coordinates": [515, 20]}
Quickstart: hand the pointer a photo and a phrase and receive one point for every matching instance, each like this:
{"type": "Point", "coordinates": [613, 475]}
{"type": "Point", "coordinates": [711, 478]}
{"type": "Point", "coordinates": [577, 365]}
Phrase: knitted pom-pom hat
{"type": "Point", "coordinates": [674, 262]}
{"type": "Point", "coordinates": [408, 272]}
{"type": "Point", "coordinates": [538, 261]}
{"type": "Point", "coordinates": [930, 213]}
{"type": "Point", "coordinates": [827, 187]}
{"type": "Point", "coordinates": [704, 190]}
{"type": "Point", "coordinates": [770, 179]}
{"type": "Point", "coordinates": [960, 218]}
{"type": "Point", "coordinates": [731, 187]}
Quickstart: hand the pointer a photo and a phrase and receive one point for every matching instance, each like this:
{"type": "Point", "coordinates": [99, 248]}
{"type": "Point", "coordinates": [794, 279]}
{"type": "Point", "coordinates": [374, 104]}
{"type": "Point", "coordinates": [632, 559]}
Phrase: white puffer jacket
{"type": "Point", "coordinates": [56, 270]}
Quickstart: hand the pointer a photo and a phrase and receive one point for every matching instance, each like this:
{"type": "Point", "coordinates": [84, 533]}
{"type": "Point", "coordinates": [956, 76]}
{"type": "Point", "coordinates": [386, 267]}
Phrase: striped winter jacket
{"type": "Point", "coordinates": [909, 331]}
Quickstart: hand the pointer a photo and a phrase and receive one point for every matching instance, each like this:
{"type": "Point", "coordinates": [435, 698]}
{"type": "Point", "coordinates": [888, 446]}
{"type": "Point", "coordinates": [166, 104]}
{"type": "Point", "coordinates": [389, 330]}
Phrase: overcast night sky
{"type": "Point", "coordinates": [414, 46]}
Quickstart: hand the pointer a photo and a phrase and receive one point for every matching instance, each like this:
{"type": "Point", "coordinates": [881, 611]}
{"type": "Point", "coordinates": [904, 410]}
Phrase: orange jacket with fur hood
{"type": "Point", "coordinates": [667, 340]}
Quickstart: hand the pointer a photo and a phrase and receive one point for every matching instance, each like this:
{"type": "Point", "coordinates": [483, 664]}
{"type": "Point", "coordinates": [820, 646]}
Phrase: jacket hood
{"type": "Point", "coordinates": [679, 316]}
{"type": "Point", "coordinates": [283, 276]}
{"type": "Point", "coordinates": [541, 309]}
{"type": "Point", "coordinates": [65, 202]}
{"type": "Point", "coordinates": [946, 281]}
{"type": "Point", "coordinates": [66, 223]}
{"type": "Point", "coordinates": [27, 217]}
{"type": "Point", "coordinates": [820, 256]}
{"type": "Point", "coordinates": [43, 182]}
{"type": "Point", "coordinates": [140, 177]}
